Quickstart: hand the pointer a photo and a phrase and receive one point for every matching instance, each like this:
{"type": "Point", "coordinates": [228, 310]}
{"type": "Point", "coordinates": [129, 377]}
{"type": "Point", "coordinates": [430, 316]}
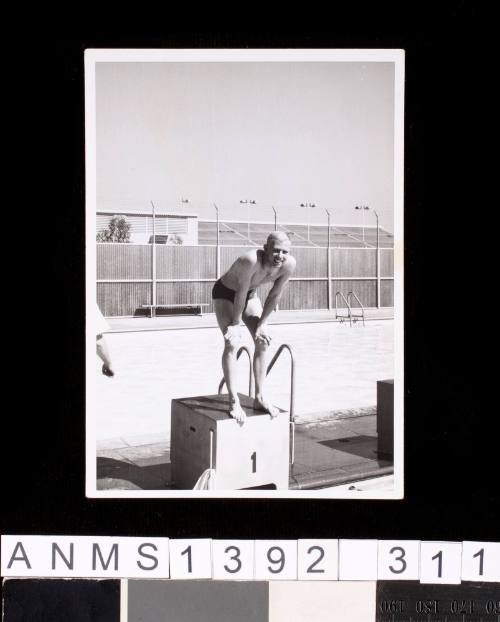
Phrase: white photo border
{"type": "Point", "coordinates": [93, 56]}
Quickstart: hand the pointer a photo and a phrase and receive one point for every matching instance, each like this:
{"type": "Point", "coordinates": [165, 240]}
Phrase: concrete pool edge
{"type": "Point", "coordinates": [334, 477]}
{"type": "Point", "coordinates": [328, 454]}
{"type": "Point", "coordinates": [128, 324]}
{"type": "Point", "coordinates": [313, 419]}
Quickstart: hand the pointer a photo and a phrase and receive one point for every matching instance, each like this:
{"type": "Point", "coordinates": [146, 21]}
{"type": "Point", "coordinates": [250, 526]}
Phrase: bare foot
{"type": "Point", "coordinates": [237, 412]}
{"type": "Point", "coordinates": [260, 403]}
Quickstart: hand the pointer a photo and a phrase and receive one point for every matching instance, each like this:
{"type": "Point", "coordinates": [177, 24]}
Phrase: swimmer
{"type": "Point", "coordinates": [235, 299]}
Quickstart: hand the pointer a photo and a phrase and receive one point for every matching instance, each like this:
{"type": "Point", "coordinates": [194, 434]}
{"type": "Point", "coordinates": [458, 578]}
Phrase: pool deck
{"type": "Point", "coordinates": [176, 322]}
{"type": "Point", "coordinates": [336, 445]}
{"type": "Point", "coordinates": [328, 453]}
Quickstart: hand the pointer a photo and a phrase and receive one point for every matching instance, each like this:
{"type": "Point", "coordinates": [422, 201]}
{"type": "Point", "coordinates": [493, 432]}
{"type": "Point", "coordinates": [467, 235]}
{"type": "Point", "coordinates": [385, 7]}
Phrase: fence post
{"type": "Point", "coordinates": [217, 249]}
{"type": "Point", "coordinates": [153, 261]}
{"type": "Point", "coordinates": [328, 267]}
{"type": "Point", "coordinates": [378, 278]}
{"type": "Point", "coordinates": [378, 262]}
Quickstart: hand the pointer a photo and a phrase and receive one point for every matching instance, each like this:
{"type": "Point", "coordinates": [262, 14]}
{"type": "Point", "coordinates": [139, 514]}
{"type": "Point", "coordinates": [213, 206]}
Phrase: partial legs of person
{"type": "Point", "coordinates": [224, 314]}
{"type": "Point", "coordinates": [103, 354]}
{"type": "Point", "coordinates": [251, 317]}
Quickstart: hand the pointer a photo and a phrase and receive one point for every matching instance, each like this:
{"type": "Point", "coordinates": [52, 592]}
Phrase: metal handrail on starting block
{"type": "Point", "coordinates": [285, 346]}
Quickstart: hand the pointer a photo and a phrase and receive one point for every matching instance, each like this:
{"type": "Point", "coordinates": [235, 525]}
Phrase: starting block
{"type": "Point", "coordinates": [385, 416]}
{"type": "Point", "coordinates": [204, 436]}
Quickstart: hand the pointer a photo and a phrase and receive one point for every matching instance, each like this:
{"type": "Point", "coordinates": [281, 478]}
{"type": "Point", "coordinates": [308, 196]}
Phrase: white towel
{"type": "Point", "coordinates": [206, 480]}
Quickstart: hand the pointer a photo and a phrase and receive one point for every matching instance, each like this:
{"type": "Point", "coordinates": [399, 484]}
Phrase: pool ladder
{"type": "Point", "coordinates": [348, 304]}
{"type": "Point", "coordinates": [283, 346]}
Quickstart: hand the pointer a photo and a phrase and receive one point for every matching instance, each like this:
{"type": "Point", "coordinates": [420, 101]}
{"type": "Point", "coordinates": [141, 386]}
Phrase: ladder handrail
{"type": "Point", "coordinates": [282, 347]}
{"type": "Point", "coordinates": [348, 307]}
{"type": "Point", "coordinates": [349, 296]}
{"type": "Point", "coordinates": [285, 346]}
{"type": "Point", "coordinates": [250, 378]}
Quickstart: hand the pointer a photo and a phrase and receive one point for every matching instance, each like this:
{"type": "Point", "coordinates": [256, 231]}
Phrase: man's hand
{"type": "Point", "coordinates": [232, 335]}
{"type": "Point", "coordinates": [107, 371]}
{"type": "Point", "coordinates": [262, 336]}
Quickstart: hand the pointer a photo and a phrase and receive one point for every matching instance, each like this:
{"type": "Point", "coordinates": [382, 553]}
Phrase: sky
{"type": "Point", "coordinates": [279, 134]}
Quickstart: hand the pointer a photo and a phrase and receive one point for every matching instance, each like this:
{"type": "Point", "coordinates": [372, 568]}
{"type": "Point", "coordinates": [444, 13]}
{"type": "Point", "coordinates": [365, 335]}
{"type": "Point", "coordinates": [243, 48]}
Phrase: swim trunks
{"type": "Point", "coordinates": [221, 291]}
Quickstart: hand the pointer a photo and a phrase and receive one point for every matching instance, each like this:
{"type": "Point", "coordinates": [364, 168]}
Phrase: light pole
{"type": "Point", "coordinates": [275, 219]}
{"type": "Point", "coordinates": [153, 258]}
{"type": "Point", "coordinates": [363, 208]}
{"type": "Point", "coordinates": [377, 251]}
{"type": "Point", "coordinates": [308, 217]}
{"type": "Point", "coordinates": [378, 262]}
{"type": "Point", "coordinates": [248, 202]}
{"type": "Point", "coordinates": [184, 200]}
{"type": "Point", "coordinates": [217, 248]}
{"type": "Point", "coordinates": [328, 266]}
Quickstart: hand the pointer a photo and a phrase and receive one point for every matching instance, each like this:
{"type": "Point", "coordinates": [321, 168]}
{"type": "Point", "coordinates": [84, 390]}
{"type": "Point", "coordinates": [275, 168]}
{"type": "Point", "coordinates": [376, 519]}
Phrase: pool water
{"type": "Point", "coordinates": [336, 368]}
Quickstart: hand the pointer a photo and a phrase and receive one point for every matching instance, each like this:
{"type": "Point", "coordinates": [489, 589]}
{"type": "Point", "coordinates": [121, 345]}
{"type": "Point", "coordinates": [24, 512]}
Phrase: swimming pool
{"type": "Point", "coordinates": [337, 367]}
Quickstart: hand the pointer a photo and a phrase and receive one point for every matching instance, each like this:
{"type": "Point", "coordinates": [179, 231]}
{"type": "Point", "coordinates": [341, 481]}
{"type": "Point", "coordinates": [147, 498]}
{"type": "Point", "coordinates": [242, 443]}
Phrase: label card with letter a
{"type": "Point", "coordinates": [232, 560]}
{"type": "Point", "coordinates": [191, 559]}
{"type": "Point", "coordinates": [318, 560]}
{"type": "Point", "coordinates": [398, 560]}
{"type": "Point", "coordinates": [440, 562]}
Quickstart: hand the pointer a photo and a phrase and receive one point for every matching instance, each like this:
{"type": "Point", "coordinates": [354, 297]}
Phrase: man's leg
{"type": "Point", "coordinates": [251, 317]}
{"type": "Point", "coordinates": [224, 314]}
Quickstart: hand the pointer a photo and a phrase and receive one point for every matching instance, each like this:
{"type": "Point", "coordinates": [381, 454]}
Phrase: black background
{"type": "Point", "coordinates": [59, 600]}
{"type": "Point", "coordinates": [451, 449]}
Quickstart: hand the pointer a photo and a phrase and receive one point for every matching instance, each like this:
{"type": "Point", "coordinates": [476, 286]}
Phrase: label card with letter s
{"type": "Point", "coordinates": [232, 560]}
{"type": "Point", "coordinates": [144, 558]}
{"type": "Point", "coordinates": [191, 559]}
{"type": "Point", "coordinates": [318, 560]}
{"type": "Point", "coordinates": [398, 560]}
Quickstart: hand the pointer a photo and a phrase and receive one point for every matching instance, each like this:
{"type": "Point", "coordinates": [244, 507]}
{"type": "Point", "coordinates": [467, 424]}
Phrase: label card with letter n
{"type": "Point", "coordinates": [276, 560]}
{"type": "Point", "coordinates": [318, 560]}
{"type": "Point", "coordinates": [481, 561]}
{"type": "Point", "coordinates": [358, 560]}
{"type": "Point", "coordinates": [232, 560]}
{"type": "Point", "coordinates": [440, 562]}
{"type": "Point", "coordinates": [398, 560]}
{"type": "Point", "coordinates": [191, 559]}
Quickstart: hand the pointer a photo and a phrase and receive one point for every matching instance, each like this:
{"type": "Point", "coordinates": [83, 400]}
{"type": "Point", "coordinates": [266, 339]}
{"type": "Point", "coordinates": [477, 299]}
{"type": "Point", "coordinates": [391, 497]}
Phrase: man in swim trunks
{"type": "Point", "coordinates": [235, 299]}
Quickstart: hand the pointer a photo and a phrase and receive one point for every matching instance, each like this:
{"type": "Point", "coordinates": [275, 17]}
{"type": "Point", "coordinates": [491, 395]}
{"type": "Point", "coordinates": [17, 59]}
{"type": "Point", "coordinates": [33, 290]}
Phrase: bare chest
{"type": "Point", "coordinates": [265, 275]}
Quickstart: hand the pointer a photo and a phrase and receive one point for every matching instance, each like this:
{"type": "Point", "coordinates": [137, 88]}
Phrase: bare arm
{"type": "Point", "coordinates": [244, 267]}
{"type": "Point", "coordinates": [277, 289]}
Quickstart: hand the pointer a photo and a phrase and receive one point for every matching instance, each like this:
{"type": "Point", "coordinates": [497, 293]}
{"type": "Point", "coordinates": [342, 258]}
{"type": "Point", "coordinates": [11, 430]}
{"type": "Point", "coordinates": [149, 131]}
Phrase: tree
{"type": "Point", "coordinates": [176, 239]}
{"type": "Point", "coordinates": [118, 230]}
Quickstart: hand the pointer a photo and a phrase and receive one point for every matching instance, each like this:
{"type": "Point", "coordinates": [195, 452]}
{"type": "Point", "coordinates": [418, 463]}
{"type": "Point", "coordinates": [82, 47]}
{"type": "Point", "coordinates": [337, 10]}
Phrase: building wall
{"type": "Point", "coordinates": [141, 226]}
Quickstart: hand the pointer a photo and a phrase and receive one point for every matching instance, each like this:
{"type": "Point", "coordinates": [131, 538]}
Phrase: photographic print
{"type": "Point", "coordinates": [244, 273]}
